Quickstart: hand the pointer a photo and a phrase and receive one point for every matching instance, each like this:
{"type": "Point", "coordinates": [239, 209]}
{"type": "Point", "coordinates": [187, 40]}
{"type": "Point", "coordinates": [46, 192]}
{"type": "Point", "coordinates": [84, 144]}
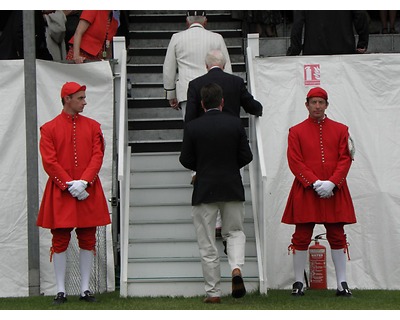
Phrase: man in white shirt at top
{"type": "Point", "coordinates": [185, 54]}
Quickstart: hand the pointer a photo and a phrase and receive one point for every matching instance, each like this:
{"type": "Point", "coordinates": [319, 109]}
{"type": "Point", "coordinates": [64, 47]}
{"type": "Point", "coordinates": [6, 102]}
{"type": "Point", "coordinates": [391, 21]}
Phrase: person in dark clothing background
{"type": "Point", "coordinates": [328, 32]}
{"type": "Point", "coordinates": [12, 39]}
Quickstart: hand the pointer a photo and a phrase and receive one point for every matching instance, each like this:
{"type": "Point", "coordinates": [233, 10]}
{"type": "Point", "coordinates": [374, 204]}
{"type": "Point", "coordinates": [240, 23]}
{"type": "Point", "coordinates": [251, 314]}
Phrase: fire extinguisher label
{"type": "Point", "coordinates": [317, 251]}
{"type": "Point", "coordinates": [317, 255]}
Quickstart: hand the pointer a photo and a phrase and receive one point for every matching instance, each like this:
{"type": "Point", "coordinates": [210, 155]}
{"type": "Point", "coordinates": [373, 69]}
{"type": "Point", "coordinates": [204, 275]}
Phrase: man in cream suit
{"type": "Point", "coordinates": [185, 54]}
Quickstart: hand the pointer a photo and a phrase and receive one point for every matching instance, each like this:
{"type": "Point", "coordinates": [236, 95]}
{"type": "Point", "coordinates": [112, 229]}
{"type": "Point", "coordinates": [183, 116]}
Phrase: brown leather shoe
{"type": "Point", "coordinates": [212, 300]}
{"type": "Point", "coordinates": [238, 289]}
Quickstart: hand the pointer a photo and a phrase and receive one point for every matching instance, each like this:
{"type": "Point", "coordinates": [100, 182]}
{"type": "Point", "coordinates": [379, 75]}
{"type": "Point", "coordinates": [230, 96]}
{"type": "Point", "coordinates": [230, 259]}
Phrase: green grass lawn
{"type": "Point", "coordinates": [274, 300]}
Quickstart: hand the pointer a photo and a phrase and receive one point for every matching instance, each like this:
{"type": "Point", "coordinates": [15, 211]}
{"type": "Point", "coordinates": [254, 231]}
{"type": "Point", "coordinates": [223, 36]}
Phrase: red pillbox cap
{"type": "Point", "coordinates": [317, 92]}
{"type": "Point", "coordinates": [70, 88]}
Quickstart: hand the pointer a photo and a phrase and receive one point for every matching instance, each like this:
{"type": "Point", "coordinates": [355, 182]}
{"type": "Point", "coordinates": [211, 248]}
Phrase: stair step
{"type": "Point", "coordinates": [147, 178]}
{"type": "Point", "coordinates": [156, 136]}
{"type": "Point", "coordinates": [161, 51]}
{"type": "Point", "coordinates": [172, 268]}
{"type": "Point", "coordinates": [163, 43]}
{"type": "Point", "coordinates": [147, 92]}
{"type": "Point", "coordinates": [163, 178]}
{"type": "Point", "coordinates": [147, 84]}
{"type": "Point", "coordinates": [181, 25]}
{"type": "Point", "coordinates": [172, 247]}
{"type": "Point", "coordinates": [140, 58]}
{"type": "Point", "coordinates": [157, 78]}
{"type": "Point", "coordinates": [165, 195]}
{"type": "Point", "coordinates": [163, 132]}
{"type": "Point", "coordinates": [157, 68]}
{"type": "Point", "coordinates": [182, 287]}
{"type": "Point", "coordinates": [169, 229]}
{"type": "Point", "coordinates": [155, 115]}
{"type": "Point", "coordinates": [172, 211]}
{"type": "Point", "coordinates": [151, 161]}
{"type": "Point", "coordinates": [148, 102]}
{"type": "Point", "coordinates": [164, 113]}
{"type": "Point", "coordinates": [155, 146]}
{"type": "Point", "coordinates": [153, 124]}
{"type": "Point", "coordinates": [176, 16]}
{"type": "Point", "coordinates": [167, 34]}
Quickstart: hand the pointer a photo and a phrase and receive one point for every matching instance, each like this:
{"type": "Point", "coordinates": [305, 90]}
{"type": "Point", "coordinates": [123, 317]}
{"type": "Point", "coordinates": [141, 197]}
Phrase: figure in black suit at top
{"type": "Point", "coordinates": [215, 145]}
{"type": "Point", "coordinates": [233, 87]}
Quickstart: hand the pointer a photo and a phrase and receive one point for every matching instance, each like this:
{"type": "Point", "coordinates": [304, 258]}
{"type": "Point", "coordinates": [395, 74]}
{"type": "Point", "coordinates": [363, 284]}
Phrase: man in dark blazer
{"type": "Point", "coordinates": [215, 145]}
{"type": "Point", "coordinates": [234, 89]}
{"type": "Point", "coordinates": [234, 92]}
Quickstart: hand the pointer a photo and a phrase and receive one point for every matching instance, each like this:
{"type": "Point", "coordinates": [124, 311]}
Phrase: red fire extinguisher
{"type": "Point", "coordinates": [317, 256]}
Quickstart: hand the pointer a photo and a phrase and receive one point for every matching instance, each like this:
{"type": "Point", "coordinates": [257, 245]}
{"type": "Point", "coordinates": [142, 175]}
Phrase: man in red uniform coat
{"type": "Point", "coordinates": [320, 158]}
{"type": "Point", "coordinates": [72, 150]}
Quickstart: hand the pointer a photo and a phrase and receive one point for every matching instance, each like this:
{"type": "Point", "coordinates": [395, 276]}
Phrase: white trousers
{"type": "Point", "coordinates": [204, 219]}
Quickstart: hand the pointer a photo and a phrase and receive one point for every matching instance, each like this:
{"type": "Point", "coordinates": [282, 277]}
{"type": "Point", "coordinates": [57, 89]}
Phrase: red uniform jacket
{"type": "Point", "coordinates": [72, 148]}
{"type": "Point", "coordinates": [98, 31]}
{"type": "Point", "coordinates": [319, 151]}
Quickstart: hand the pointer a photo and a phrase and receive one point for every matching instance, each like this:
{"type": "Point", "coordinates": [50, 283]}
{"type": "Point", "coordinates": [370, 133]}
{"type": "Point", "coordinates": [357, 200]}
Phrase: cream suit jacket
{"type": "Point", "coordinates": [185, 59]}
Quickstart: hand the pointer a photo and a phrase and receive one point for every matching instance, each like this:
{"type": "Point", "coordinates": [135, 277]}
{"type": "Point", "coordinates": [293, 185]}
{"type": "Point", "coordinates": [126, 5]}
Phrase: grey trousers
{"type": "Point", "coordinates": [204, 217]}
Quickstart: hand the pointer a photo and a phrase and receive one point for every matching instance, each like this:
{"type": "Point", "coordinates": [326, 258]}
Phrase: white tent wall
{"type": "Point", "coordinates": [363, 93]}
{"type": "Point", "coordinates": [13, 183]}
{"type": "Point", "coordinates": [98, 78]}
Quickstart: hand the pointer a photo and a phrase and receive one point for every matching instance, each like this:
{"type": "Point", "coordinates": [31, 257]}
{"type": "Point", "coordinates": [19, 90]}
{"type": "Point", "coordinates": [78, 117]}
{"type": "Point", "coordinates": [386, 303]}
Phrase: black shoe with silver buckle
{"type": "Point", "coordinates": [297, 290]}
{"type": "Point", "coordinates": [345, 292]}
{"type": "Point", "coordinates": [60, 298]}
{"type": "Point", "coordinates": [88, 297]}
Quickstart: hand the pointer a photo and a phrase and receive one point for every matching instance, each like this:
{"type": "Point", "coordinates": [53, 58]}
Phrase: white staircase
{"type": "Point", "coordinates": [163, 257]}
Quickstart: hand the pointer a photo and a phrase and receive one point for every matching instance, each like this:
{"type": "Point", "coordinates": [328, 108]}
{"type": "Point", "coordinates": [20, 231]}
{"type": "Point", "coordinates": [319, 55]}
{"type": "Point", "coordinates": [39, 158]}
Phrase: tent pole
{"type": "Point", "coordinates": [31, 151]}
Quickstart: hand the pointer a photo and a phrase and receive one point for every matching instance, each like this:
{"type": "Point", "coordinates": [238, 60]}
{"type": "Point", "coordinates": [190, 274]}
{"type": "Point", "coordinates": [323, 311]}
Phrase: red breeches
{"type": "Point", "coordinates": [61, 237]}
{"type": "Point", "coordinates": [335, 235]}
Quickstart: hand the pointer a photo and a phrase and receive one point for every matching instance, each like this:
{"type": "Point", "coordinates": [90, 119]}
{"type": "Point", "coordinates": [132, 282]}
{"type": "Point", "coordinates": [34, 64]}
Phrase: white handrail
{"type": "Point", "coordinates": [124, 239]}
{"type": "Point", "coordinates": [122, 120]}
{"type": "Point", "coordinates": [257, 173]}
{"type": "Point", "coordinates": [124, 154]}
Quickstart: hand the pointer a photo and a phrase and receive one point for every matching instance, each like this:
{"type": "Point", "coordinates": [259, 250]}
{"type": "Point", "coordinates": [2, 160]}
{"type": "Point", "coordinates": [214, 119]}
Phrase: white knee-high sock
{"type": "Point", "coordinates": [299, 264]}
{"type": "Point", "coordinates": [60, 266]}
{"type": "Point", "coordinates": [85, 267]}
{"type": "Point", "coordinates": [339, 260]}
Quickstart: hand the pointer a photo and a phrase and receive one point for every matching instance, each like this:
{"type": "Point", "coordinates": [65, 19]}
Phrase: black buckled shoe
{"type": "Point", "coordinates": [297, 290]}
{"type": "Point", "coordinates": [60, 298]}
{"type": "Point", "coordinates": [345, 292]}
{"type": "Point", "coordinates": [88, 297]}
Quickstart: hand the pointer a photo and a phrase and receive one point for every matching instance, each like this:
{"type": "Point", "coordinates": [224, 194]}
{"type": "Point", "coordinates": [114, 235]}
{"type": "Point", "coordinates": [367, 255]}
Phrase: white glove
{"type": "Point", "coordinates": [76, 187]}
{"type": "Point", "coordinates": [83, 195]}
{"type": "Point", "coordinates": [324, 190]}
{"type": "Point", "coordinates": [317, 184]}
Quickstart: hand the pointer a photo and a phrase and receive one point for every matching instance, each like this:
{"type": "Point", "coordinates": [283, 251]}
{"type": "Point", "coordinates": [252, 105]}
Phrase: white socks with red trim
{"type": "Point", "coordinates": [339, 260]}
{"type": "Point", "coordinates": [60, 266]}
{"type": "Point", "coordinates": [299, 264]}
{"type": "Point", "coordinates": [85, 267]}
